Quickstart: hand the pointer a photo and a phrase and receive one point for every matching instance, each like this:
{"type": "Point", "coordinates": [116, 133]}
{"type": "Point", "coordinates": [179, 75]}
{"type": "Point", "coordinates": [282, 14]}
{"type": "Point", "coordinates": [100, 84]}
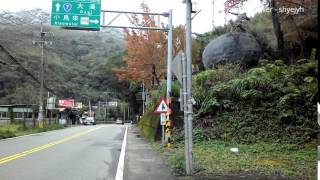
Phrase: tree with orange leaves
{"type": "Point", "coordinates": [147, 51]}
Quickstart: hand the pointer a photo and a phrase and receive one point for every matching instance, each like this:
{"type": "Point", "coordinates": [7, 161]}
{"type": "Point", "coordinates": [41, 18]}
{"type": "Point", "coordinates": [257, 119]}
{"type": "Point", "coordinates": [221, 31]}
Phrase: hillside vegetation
{"type": "Point", "coordinates": [268, 112]}
{"type": "Point", "coordinates": [271, 103]}
{"type": "Point", "coordinates": [78, 64]}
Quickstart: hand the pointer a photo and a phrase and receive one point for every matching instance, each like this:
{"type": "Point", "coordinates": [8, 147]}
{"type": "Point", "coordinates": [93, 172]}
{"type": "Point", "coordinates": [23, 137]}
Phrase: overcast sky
{"type": "Point", "coordinates": [201, 23]}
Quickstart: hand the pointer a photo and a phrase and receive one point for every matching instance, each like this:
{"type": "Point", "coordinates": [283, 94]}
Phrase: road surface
{"type": "Point", "coordinates": [77, 153]}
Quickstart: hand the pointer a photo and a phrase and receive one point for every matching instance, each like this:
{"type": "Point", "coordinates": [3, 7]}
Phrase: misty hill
{"type": "Point", "coordinates": [77, 63]}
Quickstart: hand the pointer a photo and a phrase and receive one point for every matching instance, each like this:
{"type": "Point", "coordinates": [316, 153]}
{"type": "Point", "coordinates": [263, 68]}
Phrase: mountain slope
{"type": "Point", "coordinates": [77, 64]}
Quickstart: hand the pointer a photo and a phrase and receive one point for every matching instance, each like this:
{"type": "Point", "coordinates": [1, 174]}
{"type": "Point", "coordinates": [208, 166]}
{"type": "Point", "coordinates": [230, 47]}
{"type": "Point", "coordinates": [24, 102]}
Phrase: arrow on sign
{"type": "Point", "coordinates": [96, 21]}
{"type": "Point", "coordinates": [58, 7]}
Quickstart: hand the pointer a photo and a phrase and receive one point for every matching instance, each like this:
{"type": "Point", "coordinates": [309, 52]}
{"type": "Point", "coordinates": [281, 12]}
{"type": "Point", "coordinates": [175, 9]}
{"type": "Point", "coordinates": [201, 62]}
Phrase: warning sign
{"type": "Point", "coordinates": [162, 106]}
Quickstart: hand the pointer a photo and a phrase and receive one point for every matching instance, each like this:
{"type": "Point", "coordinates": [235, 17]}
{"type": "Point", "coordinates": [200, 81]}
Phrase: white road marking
{"type": "Point", "coordinates": [120, 169]}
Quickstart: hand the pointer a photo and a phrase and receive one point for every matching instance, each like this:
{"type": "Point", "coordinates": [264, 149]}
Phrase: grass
{"type": "Point", "coordinates": [14, 130]}
{"type": "Point", "coordinates": [213, 157]}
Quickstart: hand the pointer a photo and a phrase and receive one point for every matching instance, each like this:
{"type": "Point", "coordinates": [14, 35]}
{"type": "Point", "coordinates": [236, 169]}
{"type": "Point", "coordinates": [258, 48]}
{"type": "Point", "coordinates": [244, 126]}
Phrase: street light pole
{"type": "Point", "coordinates": [170, 51]}
{"type": "Point", "coordinates": [169, 62]}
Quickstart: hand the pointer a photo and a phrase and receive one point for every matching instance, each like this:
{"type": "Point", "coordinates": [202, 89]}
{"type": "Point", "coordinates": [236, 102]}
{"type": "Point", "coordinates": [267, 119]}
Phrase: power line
{"type": "Point", "coordinates": [25, 71]}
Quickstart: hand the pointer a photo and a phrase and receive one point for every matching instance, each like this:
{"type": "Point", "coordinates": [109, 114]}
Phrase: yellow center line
{"type": "Point", "coordinates": [45, 146]}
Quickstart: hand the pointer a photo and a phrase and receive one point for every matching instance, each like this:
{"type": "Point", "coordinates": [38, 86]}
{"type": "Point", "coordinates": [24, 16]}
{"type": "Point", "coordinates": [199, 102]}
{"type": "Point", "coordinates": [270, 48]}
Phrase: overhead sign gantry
{"type": "Point", "coordinates": [77, 14]}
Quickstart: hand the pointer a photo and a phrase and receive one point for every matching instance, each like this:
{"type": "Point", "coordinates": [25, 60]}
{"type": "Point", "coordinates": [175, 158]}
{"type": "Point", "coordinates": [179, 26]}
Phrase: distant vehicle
{"type": "Point", "coordinates": [119, 121]}
{"type": "Point", "coordinates": [89, 120]}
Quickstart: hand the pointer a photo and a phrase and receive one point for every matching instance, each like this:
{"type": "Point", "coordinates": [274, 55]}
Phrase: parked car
{"type": "Point", "coordinates": [89, 120]}
{"type": "Point", "coordinates": [119, 121]}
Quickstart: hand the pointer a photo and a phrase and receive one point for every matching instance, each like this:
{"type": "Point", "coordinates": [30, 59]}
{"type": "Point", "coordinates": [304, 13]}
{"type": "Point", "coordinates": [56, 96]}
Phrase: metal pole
{"type": "Point", "coordinates": [40, 115]}
{"type": "Point", "coordinates": [143, 97]}
{"type": "Point", "coordinates": [169, 62]}
{"type": "Point", "coordinates": [185, 110]}
{"type": "Point", "coordinates": [128, 113]}
{"type": "Point", "coordinates": [124, 113]}
{"type": "Point", "coordinates": [107, 108]}
{"type": "Point", "coordinates": [189, 81]}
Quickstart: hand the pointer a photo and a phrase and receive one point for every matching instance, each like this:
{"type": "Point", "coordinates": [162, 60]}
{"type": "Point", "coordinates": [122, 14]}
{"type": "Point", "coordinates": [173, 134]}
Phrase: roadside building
{"type": "Point", "coordinates": [17, 113]}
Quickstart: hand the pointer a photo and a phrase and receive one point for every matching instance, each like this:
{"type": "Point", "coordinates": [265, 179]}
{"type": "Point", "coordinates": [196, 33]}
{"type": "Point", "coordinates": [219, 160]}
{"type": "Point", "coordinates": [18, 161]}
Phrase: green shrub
{"type": "Point", "coordinates": [6, 134]}
{"type": "Point", "coordinates": [149, 124]}
{"type": "Point", "coordinates": [177, 163]}
{"type": "Point", "coordinates": [273, 102]}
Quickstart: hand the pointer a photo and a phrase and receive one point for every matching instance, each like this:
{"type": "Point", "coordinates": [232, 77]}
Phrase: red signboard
{"type": "Point", "coordinates": [66, 103]}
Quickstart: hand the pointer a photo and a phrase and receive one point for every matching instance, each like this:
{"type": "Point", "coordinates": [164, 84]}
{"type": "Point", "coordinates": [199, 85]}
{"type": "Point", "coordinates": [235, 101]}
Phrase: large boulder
{"type": "Point", "coordinates": [236, 47]}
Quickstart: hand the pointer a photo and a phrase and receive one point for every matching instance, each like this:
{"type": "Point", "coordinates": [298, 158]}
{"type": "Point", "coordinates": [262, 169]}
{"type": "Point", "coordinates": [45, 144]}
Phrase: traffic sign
{"type": "Point", "coordinates": [163, 118]}
{"type": "Point", "coordinates": [177, 66]}
{"type": "Point", "coordinates": [79, 14]}
{"type": "Point", "coordinates": [162, 106]}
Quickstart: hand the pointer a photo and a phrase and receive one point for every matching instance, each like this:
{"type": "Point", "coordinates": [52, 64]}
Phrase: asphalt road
{"type": "Point", "coordinates": [77, 153]}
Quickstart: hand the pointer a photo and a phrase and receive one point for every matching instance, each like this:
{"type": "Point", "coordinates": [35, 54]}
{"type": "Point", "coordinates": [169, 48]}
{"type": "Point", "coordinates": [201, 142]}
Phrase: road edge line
{"type": "Point", "coordinates": [120, 168]}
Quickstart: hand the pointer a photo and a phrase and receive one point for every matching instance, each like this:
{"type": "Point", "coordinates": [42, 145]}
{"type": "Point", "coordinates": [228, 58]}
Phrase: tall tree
{"type": "Point", "coordinates": [146, 57]}
{"type": "Point", "coordinates": [277, 27]}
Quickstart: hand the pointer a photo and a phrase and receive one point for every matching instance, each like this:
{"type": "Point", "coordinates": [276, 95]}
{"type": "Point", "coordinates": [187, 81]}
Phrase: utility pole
{"type": "Point", "coordinates": [107, 109]}
{"type": "Point", "coordinates": [128, 112]}
{"type": "Point", "coordinates": [143, 97]}
{"type": "Point", "coordinates": [99, 108]}
{"type": "Point", "coordinates": [47, 107]}
{"type": "Point", "coordinates": [89, 108]}
{"type": "Point", "coordinates": [124, 113]}
{"type": "Point", "coordinates": [42, 43]}
{"type": "Point", "coordinates": [213, 27]}
{"type": "Point", "coordinates": [189, 164]}
{"type": "Point", "coordinates": [40, 116]}
{"type": "Point", "coordinates": [185, 110]}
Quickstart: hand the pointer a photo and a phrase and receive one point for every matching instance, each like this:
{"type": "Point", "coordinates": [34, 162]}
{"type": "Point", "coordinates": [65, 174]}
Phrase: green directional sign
{"type": "Point", "coordinates": [79, 14]}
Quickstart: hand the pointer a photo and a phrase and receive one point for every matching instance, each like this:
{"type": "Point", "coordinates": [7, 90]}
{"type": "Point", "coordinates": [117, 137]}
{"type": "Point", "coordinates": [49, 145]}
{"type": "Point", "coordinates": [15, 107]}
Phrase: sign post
{"type": "Point", "coordinates": [162, 108]}
{"type": "Point", "coordinates": [162, 119]}
{"type": "Point", "coordinates": [76, 14]}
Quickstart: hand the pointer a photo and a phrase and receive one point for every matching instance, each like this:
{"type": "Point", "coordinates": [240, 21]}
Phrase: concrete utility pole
{"type": "Point", "coordinates": [124, 113]}
{"type": "Point", "coordinates": [107, 108]}
{"type": "Point", "coordinates": [42, 42]}
{"type": "Point", "coordinates": [40, 116]}
{"type": "Point", "coordinates": [185, 110]}
{"type": "Point", "coordinates": [189, 167]}
{"type": "Point", "coordinates": [128, 112]}
{"type": "Point", "coordinates": [143, 97]}
{"type": "Point", "coordinates": [89, 108]}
